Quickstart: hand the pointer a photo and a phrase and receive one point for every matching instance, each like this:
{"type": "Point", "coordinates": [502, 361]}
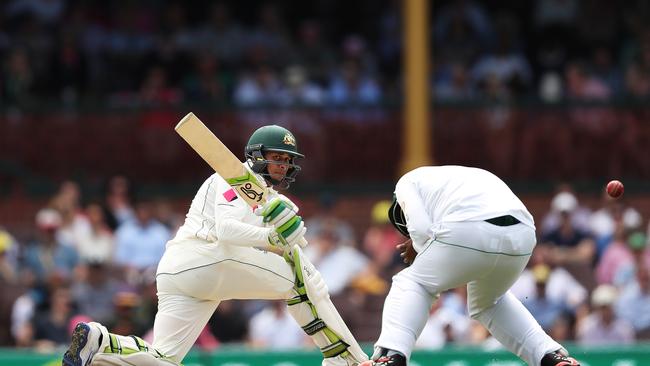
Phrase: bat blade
{"type": "Point", "coordinates": [221, 159]}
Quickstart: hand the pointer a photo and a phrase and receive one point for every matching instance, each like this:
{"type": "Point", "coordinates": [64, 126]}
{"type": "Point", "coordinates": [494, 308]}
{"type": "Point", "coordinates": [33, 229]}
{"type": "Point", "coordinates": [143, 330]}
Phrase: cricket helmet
{"type": "Point", "coordinates": [397, 218]}
{"type": "Point", "coordinates": [272, 138]}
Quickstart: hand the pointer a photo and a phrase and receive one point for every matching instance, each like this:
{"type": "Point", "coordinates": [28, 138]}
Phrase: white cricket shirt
{"type": "Point", "coordinates": [434, 194]}
{"type": "Point", "coordinates": [217, 214]}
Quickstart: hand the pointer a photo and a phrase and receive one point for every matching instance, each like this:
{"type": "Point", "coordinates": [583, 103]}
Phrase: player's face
{"type": "Point", "coordinates": [278, 164]}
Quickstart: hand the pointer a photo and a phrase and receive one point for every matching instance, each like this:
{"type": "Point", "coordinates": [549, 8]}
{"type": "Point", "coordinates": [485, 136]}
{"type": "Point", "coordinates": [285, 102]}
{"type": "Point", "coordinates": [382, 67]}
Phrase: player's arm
{"type": "Point", "coordinates": [418, 221]}
{"type": "Point", "coordinates": [234, 221]}
{"type": "Point", "coordinates": [231, 215]}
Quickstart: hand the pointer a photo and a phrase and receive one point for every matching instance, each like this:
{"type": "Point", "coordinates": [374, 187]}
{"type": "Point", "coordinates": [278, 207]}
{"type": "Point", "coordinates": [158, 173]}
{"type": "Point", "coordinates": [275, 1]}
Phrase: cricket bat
{"type": "Point", "coordinates": [222, 160]}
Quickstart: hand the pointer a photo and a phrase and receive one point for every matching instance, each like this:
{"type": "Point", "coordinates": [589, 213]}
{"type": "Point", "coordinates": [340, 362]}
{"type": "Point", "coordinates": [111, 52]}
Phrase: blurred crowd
{"type": "Point", "coordinates": [588, 280]}
{"type": "Point", "coordinates": [159, 52]}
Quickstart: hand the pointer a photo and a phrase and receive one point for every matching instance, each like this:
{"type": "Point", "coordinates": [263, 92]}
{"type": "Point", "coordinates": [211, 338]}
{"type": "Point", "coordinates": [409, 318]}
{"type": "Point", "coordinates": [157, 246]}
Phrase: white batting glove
{"type": "Point", "coordinates": [277, 211]}
{"type": "Point", "coordinates": [290, 234]}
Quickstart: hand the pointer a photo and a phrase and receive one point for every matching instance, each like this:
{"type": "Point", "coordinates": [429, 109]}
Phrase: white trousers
{"type": "Point", "coordinates": [488, 259]}
{"type": "Point", "coordinates": [194, 277]}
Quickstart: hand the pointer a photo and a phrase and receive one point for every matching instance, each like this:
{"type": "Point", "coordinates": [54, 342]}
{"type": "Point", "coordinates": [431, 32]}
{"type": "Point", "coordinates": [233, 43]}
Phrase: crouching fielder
{"type": "Point", "coordinates": [214, 257]}
{"type": "Point", "coordinates": [467, 227]}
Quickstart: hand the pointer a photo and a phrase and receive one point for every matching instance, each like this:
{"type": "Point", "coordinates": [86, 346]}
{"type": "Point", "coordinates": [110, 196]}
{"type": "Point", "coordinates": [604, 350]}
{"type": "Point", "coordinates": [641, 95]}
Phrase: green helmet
{"type": "Point", "coordinates": [272, 138]}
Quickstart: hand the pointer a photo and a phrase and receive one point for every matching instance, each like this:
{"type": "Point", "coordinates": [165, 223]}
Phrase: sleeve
{"type": "Point", "coordinates": [232, 217]}
{"type": "Point", "coordinates": [418, 221]}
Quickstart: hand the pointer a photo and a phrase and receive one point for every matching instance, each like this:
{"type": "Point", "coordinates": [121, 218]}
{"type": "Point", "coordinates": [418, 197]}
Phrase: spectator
{"type": "Point", "coordinates": [546, 311]}
{"type": "Point", "coordinates": [617, 254]}
{"type": "Point", "coordinates": [46, 11]}
{"type": "Point", "coordinates": [47, 258]}
{"type": "Point", "coordinates": [8, 264]}
{"type": "Point", "coordinates": [261, 87]}
{"type": "Point", "coordinates": [380, 240]}
{"type": "Point", "coordinates": [95, 293]}
{"type": "Point", "coordinates": [563, 328]}
{"type": "Point", "coordinates": [561, 287]}
{"type": "Point", "coordinates": [602, 326]}
{"type": "Point", "coordinates": [454, 85]}
{"type": "Point", "coordinates": [326, 218]}
{"type": "Point", "coordinates": [338, 264]}
{"type": "Point", "coordinates": [9, 283]}
{"type": "Point", "coordinates": [74, 225]}
{"type": "Point", "coordinates": [140, 243]}
{"type": "Point", "coordinates": [269, 40]}
{"type": "Point", "coordinates": [50, 325]}
{"type": "Point", "coordinates": [349, 85]}
{"type": "Point", "coordinates": [98, 242]}
{"type": "Point", "coordinates": [506, 66]}
{"type": "Point", "coordinates": [605, 69]}
{"type": "Point", "coordinates": [443, 327]}
{"type": "Point", "coordinates": [18, 81]}
{"type": "Point", "coordinates": [640, 258]}
{"type": "Point", "coordinates": [209, 81]}
{"type": "Point", "coordinates": [274, 328]}
{"type": "Point", "coordinates": [602, 222]}
{"type": "Point", "coordinates": [633, 304]}
{"type": "Point", "coordinates": [156, 89]}
{"type": "Point", "coordinates": [229, 323]}
{"type": "Point", "coordinates": [222, 35]}
{"type": "Point", "coordinates": [572, 248]}
{"type": "Point", "coordinates": [125, 307]}
{"type": "Point", "coordinates": [637, 81]}
{"type": "Point", "coordinates": [565, 201]}
{"type": "Point", "coordinates": [119, 201]}
{"type": "Point", "coordinates": [313, 52]}
{"type": "Point", "coordinates": [462, 29]}
{"type": "Point", "coordinates": [297, 90]}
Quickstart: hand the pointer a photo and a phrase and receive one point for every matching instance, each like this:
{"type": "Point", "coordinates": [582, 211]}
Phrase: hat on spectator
{"type": "Point", "coordinates": [632, 219]}
{"type": "Point", "coordinates": [48, 218]}
{"type": "Point", "coordinates": [637, 240]}
{"type": "Point", "coordinates": [5, 241]}
{"type": "Point", "coordinates": [564, 202]}
{"type": "Point", "coordinates": [541, 273]}
{"type": "Point", "coordinates": [604, 295]}
{"type": "Point", "coordinates": [126, 299]}
{"type": "Point", "coordinates": [379, 212]}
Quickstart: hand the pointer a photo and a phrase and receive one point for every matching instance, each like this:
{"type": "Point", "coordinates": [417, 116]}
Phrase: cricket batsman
{"type": "Point", "coordinates": [466, 228]}
{"type": "Point", "coordinates": [215, 257]}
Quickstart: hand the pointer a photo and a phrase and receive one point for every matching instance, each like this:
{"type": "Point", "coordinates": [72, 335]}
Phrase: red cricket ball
{"type": "Point", "coordinates": [615, 188]}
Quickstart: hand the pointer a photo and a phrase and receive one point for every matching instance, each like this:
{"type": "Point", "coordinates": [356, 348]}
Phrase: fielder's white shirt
{"type": "Point", "coordinates": [434, 194]}
{"type": "Point", "coordinates": [217, 214]}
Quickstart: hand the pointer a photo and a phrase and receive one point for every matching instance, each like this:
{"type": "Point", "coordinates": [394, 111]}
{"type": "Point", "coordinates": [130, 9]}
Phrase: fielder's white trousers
{"type": "Point", "coordinates": [195, 276]}
{"type": "Point", "coordinates": [486, 257]}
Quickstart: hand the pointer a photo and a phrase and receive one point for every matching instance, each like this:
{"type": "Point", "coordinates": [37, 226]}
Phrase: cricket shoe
{"type": "Point", "coordinates": [392, 360]}
{"type": "Point", "coordinates": [558, 359]}
{"type": "Point", "coordinates": [87, 340]}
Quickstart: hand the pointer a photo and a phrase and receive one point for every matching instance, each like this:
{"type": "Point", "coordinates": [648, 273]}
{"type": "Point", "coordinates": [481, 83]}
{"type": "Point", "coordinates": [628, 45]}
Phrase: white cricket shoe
{"type": "Point", "coordinates": [87, 340]}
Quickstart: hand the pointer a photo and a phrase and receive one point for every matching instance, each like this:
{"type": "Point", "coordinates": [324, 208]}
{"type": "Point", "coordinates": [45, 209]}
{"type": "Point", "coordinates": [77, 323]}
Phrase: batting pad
{"type": "Point", "coordinates": [321, 310]}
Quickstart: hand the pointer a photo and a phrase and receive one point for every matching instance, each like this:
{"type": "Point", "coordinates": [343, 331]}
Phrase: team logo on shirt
{"type": "Point", "coordinates": [230, 195]}
{"type": "Point", "coordinates": [289, 139]}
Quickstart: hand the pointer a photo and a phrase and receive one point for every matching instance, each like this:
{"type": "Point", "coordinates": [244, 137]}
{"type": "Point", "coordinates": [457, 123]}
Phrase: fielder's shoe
{"type": "Point", "coordinates": [87, 339]}
{"type": "Point", "coordinates": [392, 360]}
{"type": "Point", "coordinates": [558, 359]}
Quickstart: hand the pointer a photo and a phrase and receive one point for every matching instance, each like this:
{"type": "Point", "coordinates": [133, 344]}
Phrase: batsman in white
{"type": "Point", "coordinates": [467, 228]}
{"type": "Point", "coordinates": [215, 257]}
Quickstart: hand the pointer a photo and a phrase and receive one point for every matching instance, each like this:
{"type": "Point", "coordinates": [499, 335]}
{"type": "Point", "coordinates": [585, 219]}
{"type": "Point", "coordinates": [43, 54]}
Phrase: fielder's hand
{"type": "Point", "coordinates": [407, 252]}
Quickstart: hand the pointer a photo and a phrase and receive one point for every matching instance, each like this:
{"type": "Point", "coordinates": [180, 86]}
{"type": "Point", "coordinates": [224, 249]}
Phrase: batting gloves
{"type": "Point", "coordinates": [289, 229]}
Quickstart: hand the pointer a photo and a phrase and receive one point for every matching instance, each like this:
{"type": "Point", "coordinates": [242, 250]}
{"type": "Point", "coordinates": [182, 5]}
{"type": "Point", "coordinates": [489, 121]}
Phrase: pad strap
{"type": "Point", "coordinates": [314, 327]}
{"type": "Point", "coordinates": [335, 349]}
